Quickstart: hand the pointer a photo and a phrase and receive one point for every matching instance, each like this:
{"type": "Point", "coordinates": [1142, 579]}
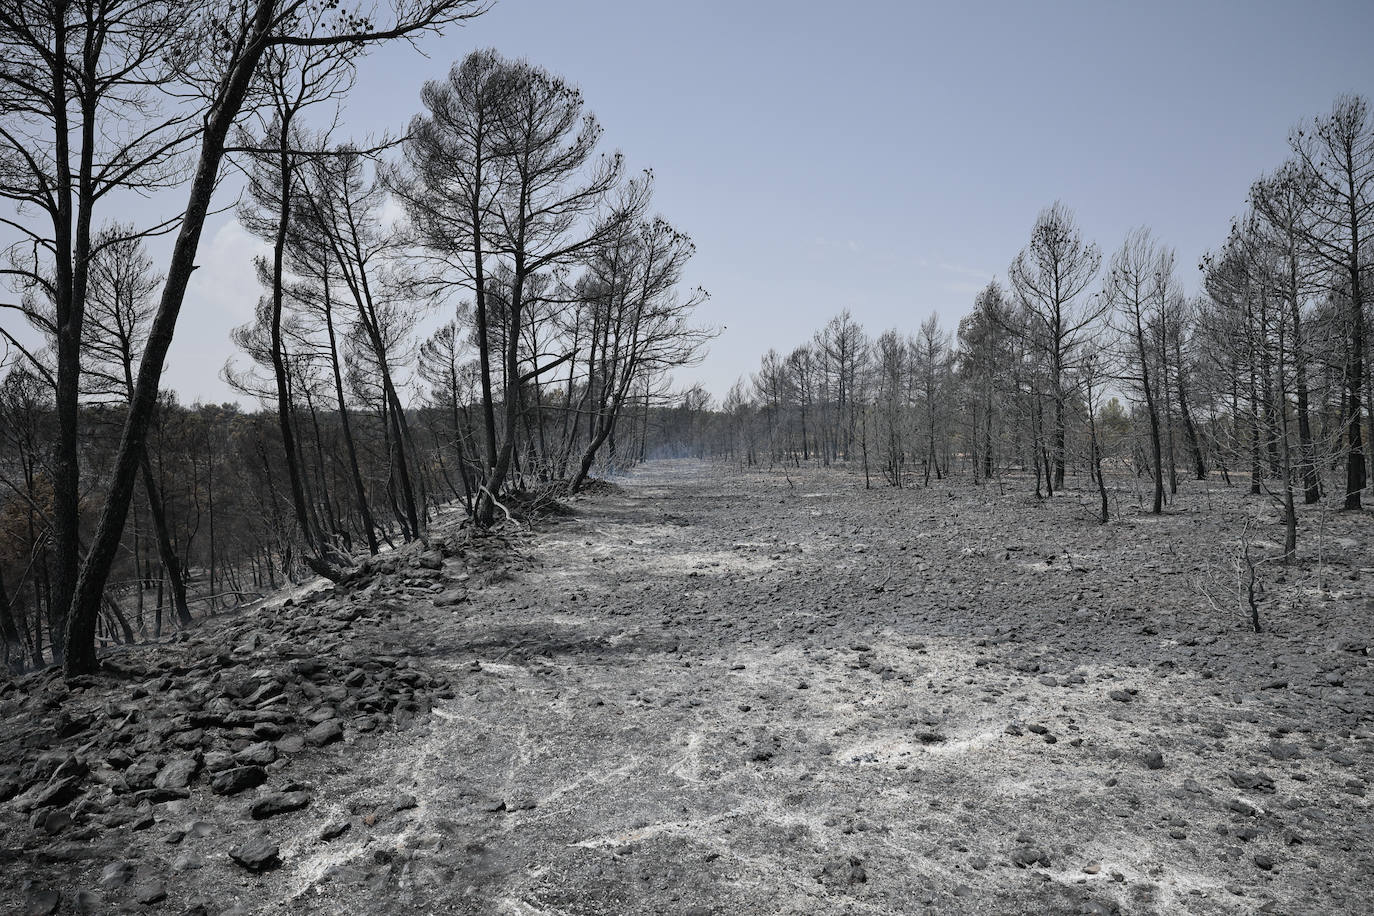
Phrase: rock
{"type": "Point", "coordinates": [274, 803]}
{"type": "Point", "coordinates": [260, 754]}
{"type": "Point", "coordinates": [267, 731]}
{"type": "Point", "coordinates": [187, 862]}
{"type": "Point", "coordinates": [116, 875]}
{"type": "Point", "coordinates": [177, 774]}
{"type": "Point", "coordinates": [842, 872]}
{"type": "Point", "coordinates": [55, 821]}
{"type": "Point", "coordinates": [199, 830]}
{"type": "Point", "coordinates": [326, 732]}
{"type": "Point", "coordinates": [257, 853]}
{"type": "Point", "coordinates": [1263, 862]}
{"type": "Point", "coordinates": [291, 744]}
{"type": "Point", "coordinates": [140, 775]}
{"type": "Point", "coordinates": [232, 782]}
{"type": "Point", "coordinates": [1154, 760]}
{"type": "Point", "coordinates": [218, 761]}
{"type": "Point", "coordinates": [1026, 856]}
{"type": "Point", "coordinates": [150, 892]}
{"type": "Point", "coordinates": [763, 749]}
{"type": "Point", "coordinates": [334, 830]}
{"type": "Point", "coordinates": [42, 902]}
{"type": "Point", "coordinates": [1256, 782]}
{"type": "Point", "coordinates": [1120, 696]}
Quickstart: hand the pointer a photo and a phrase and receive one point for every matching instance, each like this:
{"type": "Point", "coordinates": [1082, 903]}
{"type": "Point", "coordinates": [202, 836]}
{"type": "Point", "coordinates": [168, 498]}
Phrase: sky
{"type": "Point", "coordinates": [885, 157]}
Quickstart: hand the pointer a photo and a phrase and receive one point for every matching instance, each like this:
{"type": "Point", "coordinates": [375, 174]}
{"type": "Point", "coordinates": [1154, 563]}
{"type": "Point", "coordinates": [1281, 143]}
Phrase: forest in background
{"type": "Point", "coordinates": [1105, 364]}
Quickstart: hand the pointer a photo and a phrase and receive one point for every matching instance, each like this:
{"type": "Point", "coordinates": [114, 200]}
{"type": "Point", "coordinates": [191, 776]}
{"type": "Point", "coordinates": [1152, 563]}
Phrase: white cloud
{"type": "Point", "coordinates": [221, 295]}
{"type": "Point", "coordinates": [225, 283]}
{"type": "Point", "coordinates": [392, 212]}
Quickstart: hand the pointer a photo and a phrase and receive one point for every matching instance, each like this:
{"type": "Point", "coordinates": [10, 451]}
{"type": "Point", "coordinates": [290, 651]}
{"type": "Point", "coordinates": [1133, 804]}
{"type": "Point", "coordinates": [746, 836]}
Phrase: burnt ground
{"type": "Point", "coordinates": [714, 692]}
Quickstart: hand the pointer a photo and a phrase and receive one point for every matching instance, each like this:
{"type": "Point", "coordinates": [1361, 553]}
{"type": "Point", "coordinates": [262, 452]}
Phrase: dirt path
{"type": "Point", "coordinates": [710, 692]}
{"type": "Point", "coordinates": [720, 693]}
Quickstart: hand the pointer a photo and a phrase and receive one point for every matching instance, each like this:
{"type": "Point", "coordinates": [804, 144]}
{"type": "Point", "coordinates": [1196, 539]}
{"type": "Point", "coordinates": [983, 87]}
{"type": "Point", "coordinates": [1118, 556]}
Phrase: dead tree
{"type": "Point", "coordinates": [72, 75]}
{"type": "Point", "coordinates": [1132, 285]}
{"type": "Point", "coordinates": [1282, 202]}
{"type": "Point", "coordinates": [1335, 157]}
{"type": "Point", "coordinates": [118, 311]}
{"type": "Point", "coordinates": [236, 38]}
{"type": "Point", "coordinates": [1050, 276]}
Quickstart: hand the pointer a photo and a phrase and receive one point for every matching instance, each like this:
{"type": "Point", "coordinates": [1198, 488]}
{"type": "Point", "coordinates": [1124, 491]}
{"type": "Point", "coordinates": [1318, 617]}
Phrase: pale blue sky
{"type": "Point", "coordinates": [881, 156]}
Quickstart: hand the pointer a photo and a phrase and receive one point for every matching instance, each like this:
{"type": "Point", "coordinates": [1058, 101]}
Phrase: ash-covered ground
{"type": "Point", "coordinates": [708, 691]}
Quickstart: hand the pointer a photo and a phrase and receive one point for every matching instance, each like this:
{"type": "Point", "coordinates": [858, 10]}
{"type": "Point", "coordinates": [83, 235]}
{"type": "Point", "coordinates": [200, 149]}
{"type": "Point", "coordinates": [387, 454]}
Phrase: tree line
{"type": "Point", "coordinates": [124, 509]}
{"type": "Point", "coordinates": [1106, 364]}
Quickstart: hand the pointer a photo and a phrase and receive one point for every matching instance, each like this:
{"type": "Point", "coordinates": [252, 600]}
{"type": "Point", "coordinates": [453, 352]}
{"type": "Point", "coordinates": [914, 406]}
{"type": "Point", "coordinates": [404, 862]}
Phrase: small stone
{"type": "Point", "coordinates": [42, 902]}
{"type": "Point", "coordinates": [199, 830]}
{"type": "Point", "coordinates": [116, 875]}
{"type": "Point", "coordinates": [1154, 760]}
{"type": "Point", "coordinates": [177, 774]}
{"type": "Point", "coordinates": [257, 853]}
{"type": "Point", "coordinates": [268, 731]}
{"type": "Point", "coordinates": [260, 754]}
{"type": "Point", "coordinates": [844, 872]}
{"type": "Point", "coordinates": [327, 732]}
{"type": "Point", "coordinates": [334, 830]}
{"type": "Point", "coordinates": [141, 775]}
{"type": "Point", "coordinates": [53, 796]}
{"type": "Point", "coordinates": [274, 803]}
{"type": "Point", "coordinates": [1026, 856]}
{"type": "Point", "coordinates": [291, 744]}
{"type": "Point", "coordinates": [1263, 862]}
{"type": "Point", "coordinates": [1256, 782]}
{"type": "Point", "coordinates": [150, 893]}
{"type": "Point", "coordinates": [218, 761]}
{"type": "Point", "coordinates": [232, 782]}
{"type": "Point", "coordinates": [55, 821]}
